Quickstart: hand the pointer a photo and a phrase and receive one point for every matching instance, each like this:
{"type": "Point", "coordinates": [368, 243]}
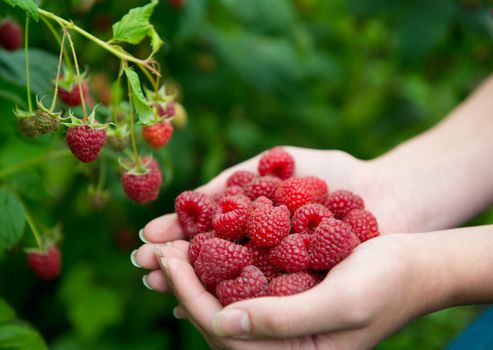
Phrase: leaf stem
{"type": "Point", "coordinates": [118, 52]}
{"type": "Point", "coordinates": [55, 94]}
{"type": "Point", "coordinates": [66, 56]}
{"type": "Point", "coordinates": [132, 128]}
{"type": "Point", "coordinates": [33, 227]}
{"type": "Point", "coordinates": [79, 79]}
{"type": "Point", "coordinates": [26, 55]}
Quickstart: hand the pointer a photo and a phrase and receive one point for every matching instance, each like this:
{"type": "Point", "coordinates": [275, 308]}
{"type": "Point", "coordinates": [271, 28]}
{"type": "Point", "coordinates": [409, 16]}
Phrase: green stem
{"type": "Point", "coordinates": [66, 56]}
{"type": "Point", "coordinates": [33, 227]}
{"type": "Point", "coordinates": [6, 172]}
{"type": "Point", "coordinates": [122, 55]}
{"type": "Point", "coordinates": [26, 47]}
{"type": "Point", "coordinates": [55, 94]}
{"type": "Point", "coordinates": [132, 129]}
{"type": "Point", "coordinates": [102, 177]}
{"type": "Point", "coordinates": [79, 79]}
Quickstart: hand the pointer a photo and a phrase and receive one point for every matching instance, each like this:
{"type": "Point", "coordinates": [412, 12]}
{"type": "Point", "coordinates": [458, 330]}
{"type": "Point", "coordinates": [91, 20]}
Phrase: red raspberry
{"type": "Point", "coordinates": [46, 265]}
{"type": "Point", "coordinates": [72, 97]}
{"type": "Point", "coordinates": [318, 188]}
{"type": "Point", "coordinates": [262, 201]}
{"type": "Point", "coordinates": [331, 243]}
{"type": "Point", "coordinates": [307, 217]}
{"type": "Point", "coordinates": [85, 142]}
{"type": "Point", "coordinates": [240, 178]}
{"type": "Point", "coordinates": [194, 211]}
{"type": "Point", "coordinates": [363, 224]}
{"type": "Point", "coordinates": [250, 284]}
{"type": "Point", "coordinates": [229, 191]}
{"type": "Point", "coordinates": [143, 188]}
{"type": "Point", "coordinates": [177, 4]}
{"type": "Point", "coordinates": [293, 193]}
{"type": "Point", "coordinates": [220, 260]}
{"type": "Point", "coordinates": [260, 259]}
{"type": "Point", "coordinates": [196, 244]}
{"type": "Point", "coordinates": [290, 254]}
{"type": "Point", "coordinates": [341, 202]}
{"type": "Point", "coordinates": [262, 186]}
{"type": "Point", "coordinates": [276, 162]}
{"type": "Point", "coordinates": [230, 217]}
{"type": "Point", "coordinates": [292, 283]}
{"type": "Point", "coordinates": [157, 135]}
{"type": "Point", "coordinates": [10, 35]}
{"type": "Point", "coordinates": [268, 226]}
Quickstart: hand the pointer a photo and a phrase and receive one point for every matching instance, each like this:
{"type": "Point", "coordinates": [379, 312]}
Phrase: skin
{"type": "Point", "coordinates": [433, 182]}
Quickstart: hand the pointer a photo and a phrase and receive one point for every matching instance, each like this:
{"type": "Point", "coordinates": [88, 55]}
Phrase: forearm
{"type": "Point", "coordinates": [445, 175]}
{"type": "Point", "coordinates": [456, 266]}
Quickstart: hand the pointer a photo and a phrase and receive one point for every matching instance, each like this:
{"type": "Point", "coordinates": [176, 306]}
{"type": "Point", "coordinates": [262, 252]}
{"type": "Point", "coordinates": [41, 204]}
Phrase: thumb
{"type": "Point", "coordinates": [317, 310]}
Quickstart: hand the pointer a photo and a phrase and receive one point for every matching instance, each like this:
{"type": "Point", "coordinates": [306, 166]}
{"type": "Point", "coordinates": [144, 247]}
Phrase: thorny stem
{"type": "Point", "coordinates": [33, 227]}
{"type": "Point", "coordinates": [79, 79]}
{"type": "Point", "coordinates": [132, 129]}
{"type": "Point", "coordinates": [26, 46]}
{"type": "Point", "coordinates": [115, 51]}
{"type": "Point", "coordinates": [66, 56]}
{"type": "Point", "coordinates": [14, 168]}
{"type": "Point", "coordinates": [55, 94]}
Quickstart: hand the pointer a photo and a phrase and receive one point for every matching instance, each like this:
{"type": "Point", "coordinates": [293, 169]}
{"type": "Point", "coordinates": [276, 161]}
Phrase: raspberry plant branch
{"type": "Point", "coordinates": [55, 94]}
{"type": "Point", "coordinates": [117, 51]}
{"type": "Point", "coordinates": [79, 79]}
{"type": "Point", "coordinates": [26, 56]}
{"type": "Point", "coordinates": [66, 56]}
{"type": "Point", "coordinates": [33, 227]}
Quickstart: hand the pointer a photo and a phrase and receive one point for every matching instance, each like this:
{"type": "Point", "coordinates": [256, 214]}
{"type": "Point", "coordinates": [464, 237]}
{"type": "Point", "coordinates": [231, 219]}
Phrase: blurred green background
{"type": "Point", "coordinates": [361, 76]}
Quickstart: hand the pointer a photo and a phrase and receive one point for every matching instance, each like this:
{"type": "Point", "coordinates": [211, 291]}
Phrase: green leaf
{"type": "Point", "coordinates": [29, 6]}
{"type": "Point", "coordinates": [143, 110]}
{"type": "Point", "coordinates": [12, 219]}
{"type": "Point", "coordinates": [7, 314]}
{"type": "Point", "coordinates": [20, 337]}
{"type": "Point", "coordinates": [135, 26]}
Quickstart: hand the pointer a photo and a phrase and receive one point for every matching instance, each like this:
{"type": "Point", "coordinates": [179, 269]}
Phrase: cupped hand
{"type": "Point", "coordinates": [369, 295]}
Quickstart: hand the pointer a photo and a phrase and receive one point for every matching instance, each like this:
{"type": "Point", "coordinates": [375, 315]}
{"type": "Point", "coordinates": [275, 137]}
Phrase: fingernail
{"type": "Point", "coordinates": [177, 313]}
{"type": "Point", "coordinates": [133, 259]}
{"type": "Point", "coordinates": [141, 236]}
{"type": "Point", "coordinates": [232, 322]}
{"type": "Point", "coordinates": [145, 282]}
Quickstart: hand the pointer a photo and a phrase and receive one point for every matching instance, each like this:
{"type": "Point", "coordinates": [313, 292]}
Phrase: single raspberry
{"type": "Point", "coordinates": [194, 211]}
{"type": "Point", "coordinates": [27, 124]}
{"type": "Point", "coordinates": [341, 202]}
{"type": "Point", "coordinates": [260, 259]}
{"type": "Point", "coordinates": [196, 244]}
{"type": "Point", "coordinates": [46, 122]}
{"type": "Point", "coordinates": [85, 142]}
{"type": "Point", "coordinates": [231, 216]}
{"type": "Point", "coordinates": [307, 217]}
{"type": "Point", "coordinates": [290, 254]}
{"type": "Point", "coordinates": [157, 135]}
{"type": "Point", "coordinates": [220, 260]}
{"type": "Point", "coordinates": [71, 96]}
{"type": "Point", "coordinates": [293, 193]}
{"type": "Point", "coordinates": [268, 226]}
{"type": "Point", "coordinates": [317, 187]}
{"type": "Point", "coordinates": [292, 283]}
{"type": "Point", "coordinates": [229, 191]}
{"type": "Point", "coordinates": [276, 162]}
{"type": "Point", "coordinates": [10, 35]}
{"type": "Point", "coordinates": [240, 178]}
{"type": "Point", "coordinates": [331, 243]}
{"type": "Point", "coordinates": [362, 223]}
{"type": "Point", "coordinates": [118, 142]}
{"type": "Point", "coordinates": [262, 186]}
{"type": "Point", "coordinates": [262, 201]}
{"type": "Point", "coordinates": [143, 188]}
{"type": "Point", "coordinates": [250, 284]}
{"type": "Point", "coordinates": [46, 265]}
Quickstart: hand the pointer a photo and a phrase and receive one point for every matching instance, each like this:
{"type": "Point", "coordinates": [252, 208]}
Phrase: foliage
{"type": "Point", "coordinates": [345, 74]}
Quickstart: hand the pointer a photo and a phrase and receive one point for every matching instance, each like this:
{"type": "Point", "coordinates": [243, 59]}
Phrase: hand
{"type": "Point", "coordinates": [378, 288]}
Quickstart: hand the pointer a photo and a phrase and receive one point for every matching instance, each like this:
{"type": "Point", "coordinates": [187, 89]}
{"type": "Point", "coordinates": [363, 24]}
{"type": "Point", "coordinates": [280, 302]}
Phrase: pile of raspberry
{"type": "Point", "coordinates": [271, 233]}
